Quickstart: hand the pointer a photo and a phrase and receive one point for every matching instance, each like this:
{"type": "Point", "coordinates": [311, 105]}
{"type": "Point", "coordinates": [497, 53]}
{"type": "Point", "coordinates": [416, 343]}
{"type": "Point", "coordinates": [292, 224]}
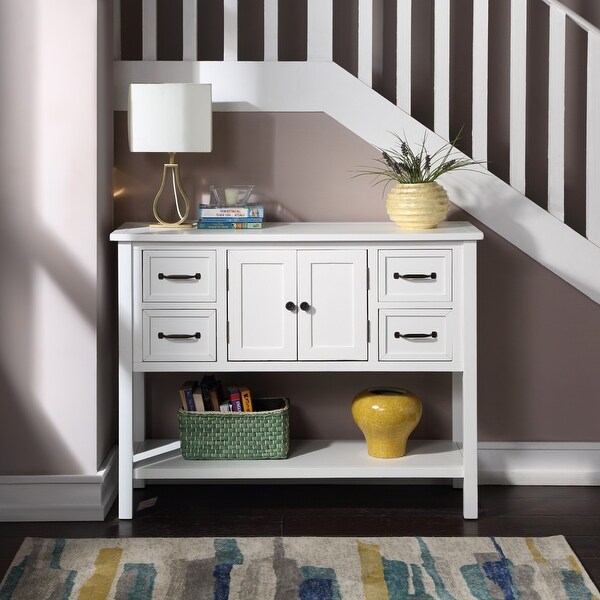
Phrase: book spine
{"type": "Point", "coordinates": [230, 220]}
{"type": "Point", "coordinates": [246, 399]}
{"type": "Point", "coordinates": [214, 399]}
{"type": "Point", "coordinates": [218, 225]}
{"type": "Point", "coordinates": [198, 400]}
{"type": "Point", "coordinates": [182, 399]}
{"type": "Point", "coordinates": [189, 399]}
{"type": "Point", "coordinates": [239, 211]}
{"type": "Point", "coordinates": [234, 399]}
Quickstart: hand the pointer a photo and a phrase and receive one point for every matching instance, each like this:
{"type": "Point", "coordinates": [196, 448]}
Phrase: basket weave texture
{"type": "Point", "coordinates": [263, 434]}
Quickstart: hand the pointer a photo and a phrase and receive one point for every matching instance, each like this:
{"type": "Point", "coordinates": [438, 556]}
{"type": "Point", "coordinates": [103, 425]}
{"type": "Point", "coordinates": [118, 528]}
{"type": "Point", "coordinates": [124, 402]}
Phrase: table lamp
{"type": "Point", "coordinates": [170, 117]}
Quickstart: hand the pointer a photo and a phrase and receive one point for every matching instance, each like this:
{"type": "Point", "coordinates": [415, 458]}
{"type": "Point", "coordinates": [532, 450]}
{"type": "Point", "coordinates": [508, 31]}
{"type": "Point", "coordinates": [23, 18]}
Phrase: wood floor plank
{"type": "Point", "coordinates": [340, 510]}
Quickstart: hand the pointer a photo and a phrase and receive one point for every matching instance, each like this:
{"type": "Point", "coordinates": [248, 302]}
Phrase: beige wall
{"type": "Point", "coordinates": [49, 249]}
{"type": "Point", "coordinates": [539, 338]}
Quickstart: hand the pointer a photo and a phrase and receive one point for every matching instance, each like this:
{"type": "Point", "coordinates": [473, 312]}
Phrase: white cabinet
{"type": "Point", "coordinates": [297, 305]}
{"type": "Point", "coordinates": [297, 297]}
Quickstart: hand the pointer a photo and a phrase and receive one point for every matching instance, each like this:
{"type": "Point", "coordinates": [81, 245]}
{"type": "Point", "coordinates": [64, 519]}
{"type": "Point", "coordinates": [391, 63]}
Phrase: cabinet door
{"type": "Point", "coordinates": [261, 282]}
{"type": "Point", "coordinates": [332, 325]}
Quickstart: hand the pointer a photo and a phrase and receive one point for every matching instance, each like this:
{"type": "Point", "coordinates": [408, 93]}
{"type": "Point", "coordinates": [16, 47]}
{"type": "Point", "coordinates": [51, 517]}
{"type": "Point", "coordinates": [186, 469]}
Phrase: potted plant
{"type": "Point", "coordinates": [416, 200]}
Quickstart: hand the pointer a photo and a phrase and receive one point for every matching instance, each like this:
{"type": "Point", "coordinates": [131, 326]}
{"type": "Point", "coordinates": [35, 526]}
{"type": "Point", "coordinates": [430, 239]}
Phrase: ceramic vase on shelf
{"type": "Point", "coordinates": [417, 205]}
{"type": "Point", "coordinates": [386, 416]}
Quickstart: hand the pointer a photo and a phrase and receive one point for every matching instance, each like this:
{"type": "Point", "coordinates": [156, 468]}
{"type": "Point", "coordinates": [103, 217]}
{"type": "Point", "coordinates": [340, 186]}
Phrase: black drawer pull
{"type": "Point", "coordinates": [179, 277]}
{"type": "Point", "coordinates": [178, 336]}
{"type": "Point", "coordinates": [415, 336]}
{"type": "Point", "coordinates": [290, 306]}
{"type": "Point", "coordinates": [415, 276]}
{"type": "Point", "coordinates": [305, 306]}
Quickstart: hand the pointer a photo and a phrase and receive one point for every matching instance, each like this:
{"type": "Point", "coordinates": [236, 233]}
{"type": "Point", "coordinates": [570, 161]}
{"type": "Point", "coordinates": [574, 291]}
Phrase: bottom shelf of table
{"type": "Point", "coordinates": [308, 459]}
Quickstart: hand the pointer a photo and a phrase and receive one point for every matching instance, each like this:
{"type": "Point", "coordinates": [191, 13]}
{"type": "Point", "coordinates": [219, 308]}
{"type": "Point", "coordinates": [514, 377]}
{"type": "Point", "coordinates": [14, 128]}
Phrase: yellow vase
{"type": "Point", "coordinates": [417, 205]}
{"type": "Point", "coordinates": [386, 416]}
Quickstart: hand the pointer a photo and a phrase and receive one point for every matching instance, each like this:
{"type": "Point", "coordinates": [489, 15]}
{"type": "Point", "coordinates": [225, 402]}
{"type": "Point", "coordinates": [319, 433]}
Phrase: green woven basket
{"type": "Point", "coordinates": [213, 435]}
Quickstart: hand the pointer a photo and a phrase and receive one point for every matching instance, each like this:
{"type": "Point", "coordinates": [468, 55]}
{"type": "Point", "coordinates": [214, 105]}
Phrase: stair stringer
{"type": "Point", "coordinates": [326, 87]}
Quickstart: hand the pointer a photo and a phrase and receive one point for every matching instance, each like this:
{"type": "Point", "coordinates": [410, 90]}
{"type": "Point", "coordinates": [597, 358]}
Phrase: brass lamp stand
{"type": "Point", "coordinates": [174, 168]}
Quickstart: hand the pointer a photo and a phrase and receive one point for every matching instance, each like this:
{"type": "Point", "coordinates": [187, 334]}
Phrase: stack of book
{"type": "Point", "coordinates": [211, 395]}
{"type": "Point", "coordinates": [230, 217]}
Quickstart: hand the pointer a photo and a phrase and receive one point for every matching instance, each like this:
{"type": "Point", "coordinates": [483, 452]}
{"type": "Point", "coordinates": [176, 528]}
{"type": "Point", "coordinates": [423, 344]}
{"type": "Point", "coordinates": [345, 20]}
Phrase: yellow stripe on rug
{"type": "Point", "coordinates": [97, 587]}
{"type": "Point", "coordinates": [371, 571]}
{"type": "Point", "coordinates": [535, 553]}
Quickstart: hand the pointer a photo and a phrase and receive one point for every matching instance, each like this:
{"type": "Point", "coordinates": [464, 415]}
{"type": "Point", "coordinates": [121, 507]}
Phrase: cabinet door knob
{"type": "Point", "coordinates": [290, 306]}
{"type": "Point", "coordinates": [415, 336]}
{"type": "Point", "coordinates": [304, 306]}
{"type": "Point", "coordinates": [415, 276]}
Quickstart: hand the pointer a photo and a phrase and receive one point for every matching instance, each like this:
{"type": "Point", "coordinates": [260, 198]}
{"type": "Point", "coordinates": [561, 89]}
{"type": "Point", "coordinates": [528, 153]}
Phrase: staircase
{"type": "Point", "coordinates": [319, 84]}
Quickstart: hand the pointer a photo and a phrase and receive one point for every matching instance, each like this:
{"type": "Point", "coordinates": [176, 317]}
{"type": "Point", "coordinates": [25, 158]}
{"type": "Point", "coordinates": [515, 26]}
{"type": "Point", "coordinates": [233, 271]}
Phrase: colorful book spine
{"type": "Point", "coordinates": [235, 401]}
{"type": "Point", "coordinates": [255, 211]}
{"type": "Point", "coordinates": [188, 392]}
{"type": "Point", "coordinates": [246, 398]}
{"type": "Point", "coordinates": [230, 220]}
{"type": "Point", "coordinates": [220, 225]}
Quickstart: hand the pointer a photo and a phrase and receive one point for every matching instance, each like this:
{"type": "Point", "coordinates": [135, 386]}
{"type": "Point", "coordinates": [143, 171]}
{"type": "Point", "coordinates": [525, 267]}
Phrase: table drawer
{"type": "Point", "coordinates": [179, 335]}
{"type": "Point", "coordinates": [175, 276]}
{"type": "Point", "coordinates": [415, 275]}
{"type": "Point", "coordinates": [425, 335]}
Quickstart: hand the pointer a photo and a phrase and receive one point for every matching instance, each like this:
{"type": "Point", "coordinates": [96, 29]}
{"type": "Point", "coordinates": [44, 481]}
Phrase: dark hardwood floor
{"type": "Point", "coordinates": [340, 510]}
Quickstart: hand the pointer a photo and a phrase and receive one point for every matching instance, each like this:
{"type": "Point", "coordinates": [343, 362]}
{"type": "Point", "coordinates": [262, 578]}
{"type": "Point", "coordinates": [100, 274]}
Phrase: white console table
{"type": "Point", "coordinates": [298, 297]}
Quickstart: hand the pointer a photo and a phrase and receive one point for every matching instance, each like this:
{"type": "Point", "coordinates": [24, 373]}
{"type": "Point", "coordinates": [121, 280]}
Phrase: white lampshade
{"type": "Point", "coordinates": [170, 117]}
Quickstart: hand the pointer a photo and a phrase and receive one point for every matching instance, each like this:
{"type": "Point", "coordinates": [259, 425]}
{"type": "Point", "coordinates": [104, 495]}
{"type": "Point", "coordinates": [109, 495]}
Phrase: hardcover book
{"type": "Point", "coordinates": [252, 210]}
{"type": "Point", "coordinates": [230, 220]}
{"type": "Point", "coordinates": [188, 393]}
{"type": "Point", "coordinates": [246, 398]}
{"type": "Point", "coordinates": [234, 399]}
{"type": "Point", "coordinates": [219, 225]}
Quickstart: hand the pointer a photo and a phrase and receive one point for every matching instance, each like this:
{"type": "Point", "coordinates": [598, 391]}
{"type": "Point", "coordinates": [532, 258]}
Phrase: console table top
{"type": "Point", "coordinates": [301, 232]}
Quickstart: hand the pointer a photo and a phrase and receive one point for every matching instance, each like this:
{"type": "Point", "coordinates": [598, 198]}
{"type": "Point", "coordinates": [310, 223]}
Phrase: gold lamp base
{"type": "Point", "coordinates": [177, 186]}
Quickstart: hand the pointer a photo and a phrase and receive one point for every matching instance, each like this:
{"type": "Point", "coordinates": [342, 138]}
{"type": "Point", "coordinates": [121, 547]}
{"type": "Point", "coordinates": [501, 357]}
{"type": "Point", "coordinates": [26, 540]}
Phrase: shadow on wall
{"type": "Point", "coordinates": [48, 315]}
{"type": "Point", "coordinates": [47, 297]}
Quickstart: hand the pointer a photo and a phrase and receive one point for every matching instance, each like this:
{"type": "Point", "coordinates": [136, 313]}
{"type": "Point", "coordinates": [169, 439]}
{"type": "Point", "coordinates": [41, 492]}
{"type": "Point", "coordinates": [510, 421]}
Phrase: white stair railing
{"type": "Point", "coordinates": [319, 45]}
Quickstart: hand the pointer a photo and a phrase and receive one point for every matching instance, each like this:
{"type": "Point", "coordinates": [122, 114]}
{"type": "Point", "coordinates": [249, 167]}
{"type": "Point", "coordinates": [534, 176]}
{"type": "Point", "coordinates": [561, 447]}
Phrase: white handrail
{"type": "Point", "coordinates": [556, 113]}
{"type": "Point", "coordinates": [403, 54]}
{"type": "Point", "coordinates": [518, 93]}
{"type": "Point", "coordinates": [592, 195]}
{"type": "Point", "coordinates": [365, 41]}
{"type": "Point", "coordinates": [149, 30]}
{"type": "Point", "coordinates": [583, 23]}
{"type": "Point", "coordinates": [441, 69]}
{"type": "Point", "coordinates": [320, 30]}
{"type": "Point", "coordinates": [271, 28]}
{"type": "Point", "coordinates": [117, 30]}
{"type": "Point", "coordinates": [480, 80]}
{"type": "Point", "coordinates": [190, 29]}
{"type": "Point", "coordinates": [230, 32]}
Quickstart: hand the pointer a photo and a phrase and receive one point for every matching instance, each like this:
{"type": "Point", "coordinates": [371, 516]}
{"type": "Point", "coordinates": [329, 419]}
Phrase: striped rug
{"type": "Point", "coordinates": [299, 568]}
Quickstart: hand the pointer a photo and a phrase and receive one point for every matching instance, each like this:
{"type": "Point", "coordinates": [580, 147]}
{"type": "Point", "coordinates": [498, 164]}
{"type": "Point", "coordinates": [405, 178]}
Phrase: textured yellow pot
{"type": "Point", "coordinates": [417, 205]}
{"type": "Point", "coordinates": [386, 416]}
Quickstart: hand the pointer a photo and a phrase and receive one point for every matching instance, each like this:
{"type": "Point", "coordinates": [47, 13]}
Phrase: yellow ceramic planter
{"type": "Point", "coordinates": [386, 416]}
{"type": "Point", "coordinates": [417, 205]}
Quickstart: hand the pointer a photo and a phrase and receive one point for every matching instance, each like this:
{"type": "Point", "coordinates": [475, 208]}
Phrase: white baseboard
{"type": "Point", "coordinates": [60, 497]}
{"type": "Point", "coordinates": [539, 463]}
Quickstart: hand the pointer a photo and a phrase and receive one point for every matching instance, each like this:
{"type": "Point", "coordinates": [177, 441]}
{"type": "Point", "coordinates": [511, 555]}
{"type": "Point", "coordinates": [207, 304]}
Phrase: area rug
{"type": "Point", "coordinates": [297, 567]}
